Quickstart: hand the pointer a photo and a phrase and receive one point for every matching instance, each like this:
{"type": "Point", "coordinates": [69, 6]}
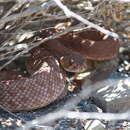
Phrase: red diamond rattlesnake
{"type": "Point", "coordinates": [47, 79]}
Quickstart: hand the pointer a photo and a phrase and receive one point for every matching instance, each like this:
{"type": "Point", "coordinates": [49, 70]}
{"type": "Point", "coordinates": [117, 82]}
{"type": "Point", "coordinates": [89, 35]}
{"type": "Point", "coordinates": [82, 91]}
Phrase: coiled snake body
{"type": "Point", "coordinates": [45, 84]}
{"type": "Point", "coordinates": [47, 81]}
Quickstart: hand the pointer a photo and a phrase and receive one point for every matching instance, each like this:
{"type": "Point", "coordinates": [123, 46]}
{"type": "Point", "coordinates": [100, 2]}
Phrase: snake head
{"type": "Point", "coordinates": [74, 63]}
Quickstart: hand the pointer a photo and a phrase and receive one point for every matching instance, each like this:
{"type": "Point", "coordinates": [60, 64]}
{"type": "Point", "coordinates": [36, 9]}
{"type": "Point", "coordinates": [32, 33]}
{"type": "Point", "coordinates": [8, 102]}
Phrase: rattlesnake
{"type": "Point", "coordinates": [47, 78]}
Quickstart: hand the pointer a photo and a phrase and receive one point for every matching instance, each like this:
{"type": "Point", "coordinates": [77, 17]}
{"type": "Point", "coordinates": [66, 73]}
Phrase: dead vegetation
{"type": "Point", "coordinates": [22, 25]}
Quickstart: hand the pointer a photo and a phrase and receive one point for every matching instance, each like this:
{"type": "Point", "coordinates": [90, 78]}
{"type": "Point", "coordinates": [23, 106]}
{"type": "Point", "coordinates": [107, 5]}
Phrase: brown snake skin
{"type": "Point", "coordinates": [47, 79]}
{"type": "Point", "coordinates": [45, 84]}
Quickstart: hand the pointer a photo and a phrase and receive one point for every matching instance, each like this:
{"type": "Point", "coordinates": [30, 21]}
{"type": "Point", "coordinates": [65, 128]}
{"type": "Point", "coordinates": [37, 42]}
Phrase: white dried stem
{"type": "Point", "coordinates": [69, 13]}
{"type": "Point", "coordinates": [26, 13]}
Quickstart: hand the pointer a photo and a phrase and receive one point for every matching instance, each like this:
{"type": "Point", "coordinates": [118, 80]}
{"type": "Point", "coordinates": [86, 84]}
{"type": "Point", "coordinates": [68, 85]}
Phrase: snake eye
{"type": "Point", "coordinates": [71, 61]}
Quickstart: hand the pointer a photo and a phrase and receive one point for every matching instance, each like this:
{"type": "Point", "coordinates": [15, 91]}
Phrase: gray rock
{"type": "Point", "coordinates": [95, 125]}
{"type": "Point", "coordinates": [114, 98]}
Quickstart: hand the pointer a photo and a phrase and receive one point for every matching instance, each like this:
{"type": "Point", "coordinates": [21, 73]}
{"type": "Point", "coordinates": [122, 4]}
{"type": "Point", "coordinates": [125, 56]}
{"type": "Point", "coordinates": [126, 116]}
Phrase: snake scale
{"type": "Point", "coordinates": [47, 65]}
